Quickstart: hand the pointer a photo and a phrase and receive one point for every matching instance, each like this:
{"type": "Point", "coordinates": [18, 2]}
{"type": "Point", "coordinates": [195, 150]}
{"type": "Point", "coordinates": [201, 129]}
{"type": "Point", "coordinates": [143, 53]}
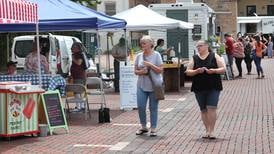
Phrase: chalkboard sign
{"type": "Point", "coordinates": [54, 110]}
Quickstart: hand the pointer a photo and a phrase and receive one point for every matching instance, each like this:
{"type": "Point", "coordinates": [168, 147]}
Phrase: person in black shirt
{"type": "Point", "coordinates": [205, 69]}
{"type": "Point", "coordinates": [78, 72]}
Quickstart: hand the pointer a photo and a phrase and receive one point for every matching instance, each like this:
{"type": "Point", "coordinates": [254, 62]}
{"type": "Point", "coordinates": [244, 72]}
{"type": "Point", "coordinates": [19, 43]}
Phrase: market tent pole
{"type": "Point", "coordinates": [126, 46]}
{"type": "Point", "coordinates": [34, 18]}
{"type": "Point", "coordinates": [38, 54]}
{"type": "Point", "coordinates": [8, 46]}
{"type": "Point", "coordinates": [99, 53]}
{"type": "Point", "coordinates": [108, 55]}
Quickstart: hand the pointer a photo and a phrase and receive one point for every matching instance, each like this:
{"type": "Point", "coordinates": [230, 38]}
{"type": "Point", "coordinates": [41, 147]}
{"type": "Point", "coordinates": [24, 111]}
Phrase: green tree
{"type": "Point", "coordinates": [88, 3]}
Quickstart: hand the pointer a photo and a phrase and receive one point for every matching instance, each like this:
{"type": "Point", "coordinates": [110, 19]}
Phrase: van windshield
{"type": "Point", "coordinates": [23, 48]}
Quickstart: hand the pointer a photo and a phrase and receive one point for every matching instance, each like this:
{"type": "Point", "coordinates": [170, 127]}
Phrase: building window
{"type": "Point", "coordinates": [110, 8]}
{"type": "Point", "coordinates": [250, 10]}
{"type": "Point", "coordinates": [270, 10]}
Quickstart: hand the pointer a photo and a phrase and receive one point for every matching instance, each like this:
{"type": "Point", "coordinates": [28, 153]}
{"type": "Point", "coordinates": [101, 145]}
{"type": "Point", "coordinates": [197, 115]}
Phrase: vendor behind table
{"type": "Point", "coordinates": [32, 62]}
{"type": "Point", "coordinates": [11, 68]}
{"type": "Point", "coordinates": [165, 53]}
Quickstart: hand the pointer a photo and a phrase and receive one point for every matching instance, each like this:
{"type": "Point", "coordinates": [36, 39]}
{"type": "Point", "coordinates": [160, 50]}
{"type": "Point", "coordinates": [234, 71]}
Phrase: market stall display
{"type": "Point", "coordinates": [18, 108]}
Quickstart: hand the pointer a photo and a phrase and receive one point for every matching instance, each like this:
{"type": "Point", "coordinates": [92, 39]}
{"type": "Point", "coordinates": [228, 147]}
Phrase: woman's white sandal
{"type": "Point", "coordinates": [141, 131]}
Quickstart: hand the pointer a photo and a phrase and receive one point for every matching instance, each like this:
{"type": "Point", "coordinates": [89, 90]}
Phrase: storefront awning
{"type": "Point", "coordinates": [249, 21]}
{"type": "Point", "coordinates": [17, 11]}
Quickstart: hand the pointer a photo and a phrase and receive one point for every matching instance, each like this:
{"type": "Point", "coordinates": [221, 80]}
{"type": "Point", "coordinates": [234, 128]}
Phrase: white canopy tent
{"type": "Point", "coordinates": [143, 18]}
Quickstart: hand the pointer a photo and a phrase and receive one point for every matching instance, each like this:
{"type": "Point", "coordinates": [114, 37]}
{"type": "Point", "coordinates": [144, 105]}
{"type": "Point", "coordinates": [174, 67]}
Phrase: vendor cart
{"type": "Point", "coordinates": [18, 108]}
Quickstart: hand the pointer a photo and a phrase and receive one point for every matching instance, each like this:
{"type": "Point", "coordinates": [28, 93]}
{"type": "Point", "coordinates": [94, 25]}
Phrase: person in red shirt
{"type": "Point", "coordinates": [229, 51]}
{"type": "Point", "coordinates": [239, 55]}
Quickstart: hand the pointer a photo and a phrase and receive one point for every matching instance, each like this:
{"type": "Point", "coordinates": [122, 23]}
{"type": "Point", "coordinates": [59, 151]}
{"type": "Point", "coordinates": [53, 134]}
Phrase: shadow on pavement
{"type": "Point", "coordinates": [210, 140]}
{"type": "Point", "coordinates": [147, 137]}
{"type": "Point", "coordinates": [78, 119]}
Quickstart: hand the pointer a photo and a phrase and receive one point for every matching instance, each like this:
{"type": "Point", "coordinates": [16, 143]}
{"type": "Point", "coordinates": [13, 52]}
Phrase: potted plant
{"type": "Point", "coordinates": [221, 49]}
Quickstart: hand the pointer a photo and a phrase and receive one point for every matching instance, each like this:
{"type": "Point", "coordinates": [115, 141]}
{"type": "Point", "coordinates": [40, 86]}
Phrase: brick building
{"type": "Point", "coordinates": [256, 16]}
{"type": "Point", "coordinates": [261, 8]}
{"type": "Point", "coordinates": [240, 15]}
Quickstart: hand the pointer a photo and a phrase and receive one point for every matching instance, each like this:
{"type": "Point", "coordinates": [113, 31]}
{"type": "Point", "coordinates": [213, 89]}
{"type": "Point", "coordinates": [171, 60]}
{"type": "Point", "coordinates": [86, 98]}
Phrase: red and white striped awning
{"type": "Point", "coordinates": [18, 11]}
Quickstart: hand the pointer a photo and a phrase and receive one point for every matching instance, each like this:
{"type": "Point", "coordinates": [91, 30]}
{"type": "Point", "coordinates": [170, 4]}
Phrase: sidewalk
{"type": "Point", "coordinates": [245, 124]}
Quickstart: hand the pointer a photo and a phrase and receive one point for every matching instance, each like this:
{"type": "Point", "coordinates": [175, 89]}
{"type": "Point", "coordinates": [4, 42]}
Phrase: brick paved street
{"type": "Point", "coordinates": [245, 125]}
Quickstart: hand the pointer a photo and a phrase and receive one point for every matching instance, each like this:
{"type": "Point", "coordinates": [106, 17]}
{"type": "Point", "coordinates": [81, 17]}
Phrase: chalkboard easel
{"type": "Point", "coordinates": [54, 110]}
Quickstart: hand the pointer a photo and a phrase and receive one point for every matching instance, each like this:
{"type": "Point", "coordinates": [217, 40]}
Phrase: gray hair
{"type": "Point", "coordinates": [149, 39]}
{"type": "Point", "coordinates": [203, 42]}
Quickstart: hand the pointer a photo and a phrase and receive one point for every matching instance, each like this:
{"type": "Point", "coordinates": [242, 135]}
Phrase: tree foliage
{"type": "Point", "coordinates": [88, 3]}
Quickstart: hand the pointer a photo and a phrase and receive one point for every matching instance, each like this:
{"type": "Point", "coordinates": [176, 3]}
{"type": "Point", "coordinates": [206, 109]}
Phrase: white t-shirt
{"type": "Point", "coordinates": [144, 80]}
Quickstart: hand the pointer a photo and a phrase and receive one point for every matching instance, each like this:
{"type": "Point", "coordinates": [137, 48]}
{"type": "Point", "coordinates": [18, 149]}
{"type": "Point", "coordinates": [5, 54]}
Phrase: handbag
{"type": "Point", "coordinates": [103, 115]}
{"type": "Point", "coordinates": [157, 89]}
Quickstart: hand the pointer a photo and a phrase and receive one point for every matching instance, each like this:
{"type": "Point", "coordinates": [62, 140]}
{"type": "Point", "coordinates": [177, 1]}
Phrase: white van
{"type": "Point", "coordinates": [59, 48]}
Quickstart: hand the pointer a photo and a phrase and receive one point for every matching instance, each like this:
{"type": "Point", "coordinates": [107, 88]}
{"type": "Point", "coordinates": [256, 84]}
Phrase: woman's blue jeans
{"type": "Point", "coordinates": [142, 97]}
{"type": "Point", "coordinates": [257, 61]}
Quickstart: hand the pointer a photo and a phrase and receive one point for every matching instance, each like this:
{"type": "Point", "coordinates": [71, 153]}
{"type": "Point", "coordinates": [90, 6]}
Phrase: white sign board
{"type": "Point", "coordinates": [128, 87]}
{"type": "Point", "coordinates": [268, 25]}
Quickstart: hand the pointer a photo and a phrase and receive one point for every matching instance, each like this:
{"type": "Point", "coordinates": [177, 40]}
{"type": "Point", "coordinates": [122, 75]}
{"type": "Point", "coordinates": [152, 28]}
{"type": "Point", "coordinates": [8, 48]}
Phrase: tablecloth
{"type": "Point", "coordinates": [49, 82]}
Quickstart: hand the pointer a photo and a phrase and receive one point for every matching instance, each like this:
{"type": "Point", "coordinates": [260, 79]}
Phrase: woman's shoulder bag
{"type": "Point", "coordinates": [157, 89]}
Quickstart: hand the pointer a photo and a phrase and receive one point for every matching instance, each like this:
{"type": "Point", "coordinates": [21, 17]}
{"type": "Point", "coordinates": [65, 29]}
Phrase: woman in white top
{"type": "Point", "coordinates": [148, 61]}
